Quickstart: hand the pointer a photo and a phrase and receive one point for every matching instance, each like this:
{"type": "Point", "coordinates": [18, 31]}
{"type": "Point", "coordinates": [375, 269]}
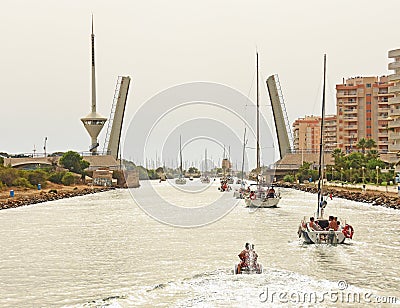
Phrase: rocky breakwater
{"type": "Point", "coordinates": [389, 200]}
{"type": "Point", "coordinates": [48, 196]}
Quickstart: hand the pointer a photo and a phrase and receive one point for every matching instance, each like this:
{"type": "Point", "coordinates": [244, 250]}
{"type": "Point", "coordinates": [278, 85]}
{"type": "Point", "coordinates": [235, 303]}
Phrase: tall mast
{"type": "Point", "coordinates": [258, 124]}
{"type": "Point", "coordinates": [244, 148]}
{"type": "Point", "coordinates": [205, 162]}
{"type": "Point", "coordinates": [320, 168]}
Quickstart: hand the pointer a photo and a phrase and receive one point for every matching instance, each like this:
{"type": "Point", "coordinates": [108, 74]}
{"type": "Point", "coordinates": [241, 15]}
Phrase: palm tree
{"type": "Point", "coordinates": [362, 144]}
{"type": "Point", "coordinates": [370, 143]}
{"type": "Point", "coordinates": [338, 156]}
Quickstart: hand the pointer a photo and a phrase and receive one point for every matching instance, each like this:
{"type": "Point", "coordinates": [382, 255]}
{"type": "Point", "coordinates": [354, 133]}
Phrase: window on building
{"type": "Point", "coordinates": [368, 94]}
{"type": "Point", "coordinates": [368, 86]}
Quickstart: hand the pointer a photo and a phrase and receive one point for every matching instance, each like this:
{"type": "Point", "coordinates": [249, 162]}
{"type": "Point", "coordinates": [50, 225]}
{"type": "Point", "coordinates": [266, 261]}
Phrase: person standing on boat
{"type": "Point", "coordinates": [244, 257]}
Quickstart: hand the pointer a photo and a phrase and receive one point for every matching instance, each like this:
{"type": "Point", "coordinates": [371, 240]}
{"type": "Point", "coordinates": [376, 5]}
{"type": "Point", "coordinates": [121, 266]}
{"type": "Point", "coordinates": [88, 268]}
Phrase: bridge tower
{"type": "Point", "coordinates": [93, 122]}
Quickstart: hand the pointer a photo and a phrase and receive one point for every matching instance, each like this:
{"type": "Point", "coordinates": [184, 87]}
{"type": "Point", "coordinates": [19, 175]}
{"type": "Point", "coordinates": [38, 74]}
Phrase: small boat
{"type": "Point", "coordinates": [249, 270]}
{"type": "Point", "coordinates": [224, 187]}
{"type": "Point", "coordinates": [248, 264]}
{"type": "Point", "coordinates": [181, 179]}
{"type": "Point", "coordinates": [205, 180]}
{"type": "Point", "coordinates": [262, 197]}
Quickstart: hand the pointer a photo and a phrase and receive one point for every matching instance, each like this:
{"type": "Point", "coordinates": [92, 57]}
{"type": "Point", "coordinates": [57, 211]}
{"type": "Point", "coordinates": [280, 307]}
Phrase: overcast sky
{"type": "Point", "coordinates": [45, 56]}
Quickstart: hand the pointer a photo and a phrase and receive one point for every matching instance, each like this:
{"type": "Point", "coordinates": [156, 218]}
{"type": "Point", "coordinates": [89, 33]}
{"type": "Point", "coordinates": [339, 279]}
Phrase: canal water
{"type": "Point", "coordinates": [103, 250]}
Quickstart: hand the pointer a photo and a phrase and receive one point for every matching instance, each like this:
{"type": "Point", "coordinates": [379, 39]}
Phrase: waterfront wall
{"type": "Point", "coordinates": [389, 200]}
{"type": "Point", "coordinates": [51, 195]}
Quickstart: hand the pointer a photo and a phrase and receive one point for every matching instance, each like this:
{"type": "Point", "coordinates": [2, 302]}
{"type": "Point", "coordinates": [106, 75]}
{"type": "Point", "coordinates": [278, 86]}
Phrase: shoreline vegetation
{"type": "Point", "coordinates": [388, 199]}
{"type": "Point", "coordinates": [25, 196]}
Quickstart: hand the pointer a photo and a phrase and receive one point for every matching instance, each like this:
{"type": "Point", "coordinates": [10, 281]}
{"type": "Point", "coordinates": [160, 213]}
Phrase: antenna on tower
{"type": "Point", "coordinates": [44, 147]}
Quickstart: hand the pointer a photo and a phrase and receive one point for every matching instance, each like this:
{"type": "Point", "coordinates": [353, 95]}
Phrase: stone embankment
{"type": "Point", "coordinates": [48, 196]}
{"type": "Point", "coordinates": [389, 200]}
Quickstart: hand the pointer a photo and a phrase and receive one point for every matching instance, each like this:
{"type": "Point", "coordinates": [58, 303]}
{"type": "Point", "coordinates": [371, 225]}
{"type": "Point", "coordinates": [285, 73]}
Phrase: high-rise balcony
{"type": "Point", "coordinates": [394, 100]}
{"type": "Point", "coordinates": [350, 119]}
{"type": "Point", "coordinates": [350, 127]}
{"type": "Point", "coordinates": [394, 89]}
{"type": "Point", "coordinates": [394, 65]}
{"type": "Point", "coordinates": [395, 53]}
{"type": "Point", "coordinates": [394, 135]}
{"type": "Point", "coordinates": [348, 111]}
{"type": "Point", "coordinates": [394, 123]}
{"type": "Point", "coordinates": [394, 77]}
{"type": "Point", "coordinates": [346, 94]}
{"type": "Point", "coordinates": [350, 103]}
{"type": "Point", "coordinates": [394, 113]}
{"type": "Point", "coordinates": [394, 147]}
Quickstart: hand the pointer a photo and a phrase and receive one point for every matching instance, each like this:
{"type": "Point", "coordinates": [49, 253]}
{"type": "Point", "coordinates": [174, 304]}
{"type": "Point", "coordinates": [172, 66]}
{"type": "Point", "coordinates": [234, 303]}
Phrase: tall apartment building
{"type": "Point", "coordinates": [362, 112]}
{"type": "Point", "coordinates": [394, 102]}
{"type": "Point", "coordinates": [307, 133]}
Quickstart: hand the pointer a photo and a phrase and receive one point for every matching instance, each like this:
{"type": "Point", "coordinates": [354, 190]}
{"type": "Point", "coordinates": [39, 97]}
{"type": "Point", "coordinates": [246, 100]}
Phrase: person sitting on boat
{"type": "Point", "coordinates": [313, 225]}
{"type": "Point", "coordinates": [271, 193]}
{"type": "Point", "coordinates": [332, 223]}
{"type": "Point", "coordinates": [244, 257]}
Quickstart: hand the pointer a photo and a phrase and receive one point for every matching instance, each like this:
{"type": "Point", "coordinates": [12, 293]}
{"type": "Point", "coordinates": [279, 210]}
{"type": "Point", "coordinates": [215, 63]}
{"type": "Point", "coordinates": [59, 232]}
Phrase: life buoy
{"type": "Point", "coordinates": [348, 231]}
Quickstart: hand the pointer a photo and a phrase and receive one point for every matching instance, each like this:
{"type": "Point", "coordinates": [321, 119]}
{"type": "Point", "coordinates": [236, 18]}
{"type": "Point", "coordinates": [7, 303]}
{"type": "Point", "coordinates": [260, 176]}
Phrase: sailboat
{"type": "Point", "coordinates": [181, 179]}
{"type": "Point", "coordinates": [241, 192]}
{"type": "Point", "coordinates": [205, 179]}
{"type": "Point", "coordinates": [260, 195]}
{"type": "Point", "coordinates": [320, 230]}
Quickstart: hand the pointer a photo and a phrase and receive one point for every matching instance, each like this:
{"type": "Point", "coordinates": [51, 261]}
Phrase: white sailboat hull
{"type": "Point", "coordinates": [180, 181]}
{"type": "Point", "coordinates": [263, 203]}
{"type": "Point", "coordinates": [322, 237]}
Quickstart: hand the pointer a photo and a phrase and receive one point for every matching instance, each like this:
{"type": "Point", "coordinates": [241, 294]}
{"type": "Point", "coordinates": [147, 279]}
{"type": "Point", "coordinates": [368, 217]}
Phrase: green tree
{"type": "Point", "coordinates": [305, 172]}
{"type": "Point", "coordinates": [288, 178]}
{"type": "Point", "coordinates": [193, 170]}
{"type": "Point", "coordinates": [37, 177]}
{"type": "Point", "coordinates": [362, 144]}
{"type": "Point", "coordinates": [74, 162]}
{"type": "Point", "coordinates": [56, 177]}
{"type": "Point", "coordinates": [8, 175]}
{"type": "Point", "coordinates": [339, 157]}
{"type": "Point", "coordinates": [370, 143]}
{"type": "Point", "coordinates": [68, 178]}
{"type": "Point", "coordinates": [22, 182]}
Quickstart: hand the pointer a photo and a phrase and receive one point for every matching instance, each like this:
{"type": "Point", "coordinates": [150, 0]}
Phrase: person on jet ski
{"type": "Point", "coordinates": [244, 257]}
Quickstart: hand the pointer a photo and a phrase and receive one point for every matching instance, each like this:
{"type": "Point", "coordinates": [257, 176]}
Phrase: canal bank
{"type": "Point", "coordinates": [23, 197]}
{"type": "Point", "coordinates": [382, 196]}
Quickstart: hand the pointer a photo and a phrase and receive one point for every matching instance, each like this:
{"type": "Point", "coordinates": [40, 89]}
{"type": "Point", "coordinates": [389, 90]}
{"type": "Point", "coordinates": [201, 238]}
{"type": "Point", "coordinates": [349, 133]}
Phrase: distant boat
{"type": "Point", "coordinates": [320, 230]}
{"type": "Point", "coordinates": [261, 196]}
{"type": "Point", "coordinates": [181, 179]}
